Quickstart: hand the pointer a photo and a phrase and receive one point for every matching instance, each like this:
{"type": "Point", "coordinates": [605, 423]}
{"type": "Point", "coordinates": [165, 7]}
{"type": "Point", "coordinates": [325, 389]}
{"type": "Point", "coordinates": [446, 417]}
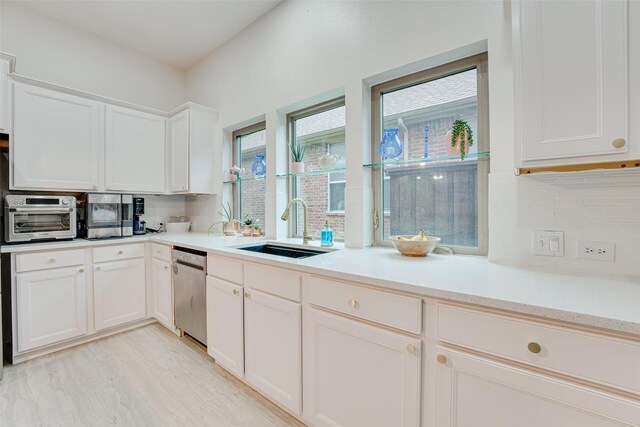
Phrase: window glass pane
{"type": "Point", "coordinates": [252, 192]}
{"type": "Point", "coordinates": [321, 133]}
{"type": "Point", "coordinates": [442, 197]}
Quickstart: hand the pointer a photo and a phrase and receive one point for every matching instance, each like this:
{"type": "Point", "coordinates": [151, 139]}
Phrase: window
{"type": "Point", "coordinates": [428, 186]}
{"type": "Point", "coordinates": [321, 131]}
{"type": "Point", "coordinates": [249, 190]}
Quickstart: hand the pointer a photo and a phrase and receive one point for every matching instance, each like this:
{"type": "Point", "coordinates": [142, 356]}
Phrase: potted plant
{"type": "Point", "coordinates": [247, 226]}
{"type": "Point", "coordinates": [229, 224]}
{"type": "Point", "coordinates": [460, 137]}
{"type": "Point", "coordinates": [256, 231]}
{"type": "Point", "coordinates": [234, 172]}
{"type": "Point", "coordinates": [297, 154]}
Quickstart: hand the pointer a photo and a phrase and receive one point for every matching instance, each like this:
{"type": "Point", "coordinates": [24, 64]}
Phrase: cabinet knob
{"type": "Point", "coordinates": [619, 143]}
{"type": "Point", "coordinates": [534, 347]}
{"type": "Point", "coordinates": [247, 295]}
{"type": "Point", "coordinates": [166, 267]}
{"type": "Point", "coordinates": [52, 260]}
{"type": "Point", "coordinates": [81, 270]}
{"type": "Point", "coordinates": [120, 252]}
{"type": "Point", "coordinates": [412, 349]}
{"type": "Point", "coordinates": [98, 268]}
{"type": "Point", "coordinates": [353, 303]}
{"type": "Point", "coordinates": [441, 358]}
{"type": "Point", "coordinates": [95, 187]}
{"type": "Point", "coordinates": [236, 292]}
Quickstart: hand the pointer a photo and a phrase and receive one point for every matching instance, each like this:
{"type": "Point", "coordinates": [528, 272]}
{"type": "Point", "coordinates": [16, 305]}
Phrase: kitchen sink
{"type": "Point", "coordinates": [283, 251]}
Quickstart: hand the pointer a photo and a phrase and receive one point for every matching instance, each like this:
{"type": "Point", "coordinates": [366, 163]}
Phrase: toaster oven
{"type": "Point", "coordinates": [33, 217]}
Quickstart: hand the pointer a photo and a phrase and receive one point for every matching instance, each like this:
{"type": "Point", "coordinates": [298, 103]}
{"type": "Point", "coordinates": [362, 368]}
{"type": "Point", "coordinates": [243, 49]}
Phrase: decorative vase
{"type": "Point", "coordinates": [328, 161]}
{"type": "Point", "coordinates": [390, 146]}
{"type": "Point", "coordinates": [247, 230]}
{"type": "Point", "coordinates": [460, 140]}
{"type": "Point", "coordinates": [259, 167]}
{"type": "Point", "coordinates": [297, 167]}
{"type": "Point", "coordinates": [230, 229]}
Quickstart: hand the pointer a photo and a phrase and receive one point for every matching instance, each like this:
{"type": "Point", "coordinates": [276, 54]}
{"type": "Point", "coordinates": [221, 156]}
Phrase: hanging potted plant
{"type": "Point", "coordinates": [460, 137]}
{"type": "Point", "coordinates": [247, 226]}
{"type": "Point", "coordinates": [297, 154]}
{"type": "Point", "coordinates": [229, 224]}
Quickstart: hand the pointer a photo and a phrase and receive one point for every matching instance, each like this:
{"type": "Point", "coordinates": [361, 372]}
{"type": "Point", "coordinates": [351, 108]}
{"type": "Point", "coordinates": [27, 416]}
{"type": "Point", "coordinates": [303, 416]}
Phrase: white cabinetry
{"type": "Point", "coordinates": [359, 375]}
{"type": "Point", "coordinates": [135, 150]}
{"type": "Point", "coordinates": [192, 150]}
{"type": "Point", "coordinates": [472, 391]}
{"type": "Point", "coordinates": [119, 292]}
{"type": "Point", "coordinates": [57, 139]}
{"type": "Point", "coordinates": [273, 360]}
{"type": "Point", "coordinates": [225, 324]}
{"type": "Point", "coordinates": [51, 306]}
{"type": "Point", "coordinates": [6, 66]}
{"type": "Point", "coordinates": [571, 79]}
{"type": "Point", "coordinates": [163, 292]}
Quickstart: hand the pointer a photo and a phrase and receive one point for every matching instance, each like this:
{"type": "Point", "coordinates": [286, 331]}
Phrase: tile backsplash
{"type": "Point", "coordinates": [601, 207]}
{"type": "Point", "coordinates": [158, 209]}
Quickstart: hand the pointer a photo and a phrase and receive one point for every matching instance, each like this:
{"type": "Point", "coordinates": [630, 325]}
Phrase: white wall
{"type": "Point", "coordinates": [58, 53]}
{"type": "Point", "coordinates": [302, 50]}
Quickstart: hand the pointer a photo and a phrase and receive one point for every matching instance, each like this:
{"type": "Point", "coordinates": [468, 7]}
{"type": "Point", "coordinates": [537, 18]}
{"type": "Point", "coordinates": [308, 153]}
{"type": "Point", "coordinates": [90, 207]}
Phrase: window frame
{"type": "Point", "coordinates": [340, 181]}
{"type": "Point", "coordinates": [293, 186]}
{"type": "Point", "coordinates": [480, 63]}
{"type": "Point", "coordinates": [236, 150]}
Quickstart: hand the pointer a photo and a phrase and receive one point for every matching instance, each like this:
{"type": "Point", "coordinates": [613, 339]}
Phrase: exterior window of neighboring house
{"type": "Point", "coordinates": [249, 190]}
{"type": "Point", "coordinates": [428, 186]}
{"type": "Point", "coordinates": [320, 130]}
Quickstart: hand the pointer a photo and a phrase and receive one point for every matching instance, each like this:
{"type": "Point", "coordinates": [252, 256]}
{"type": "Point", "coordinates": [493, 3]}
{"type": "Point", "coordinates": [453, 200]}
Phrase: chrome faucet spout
{"type": "Point", "coordinates": [306, 238]}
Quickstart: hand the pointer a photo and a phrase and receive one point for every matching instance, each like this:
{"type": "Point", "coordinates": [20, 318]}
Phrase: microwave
{"type": "Point", "coordinates": [33, 217]}
{"type": "Point", "coordinates": [103, 217]}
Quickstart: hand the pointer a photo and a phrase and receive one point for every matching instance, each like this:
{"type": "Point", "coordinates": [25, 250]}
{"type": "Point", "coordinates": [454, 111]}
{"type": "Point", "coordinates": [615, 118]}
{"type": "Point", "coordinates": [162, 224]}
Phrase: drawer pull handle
{"type": "Point", "coordinates": [441, 358]}
{"type": "Point", "coordinates": [247, 295]}
{"type": "Point", "coordinates": [120, 252]}
{"type": "Point", "coordinates": [52, 260]}
{"type": "Point", "coordinates": [236, 292]}
{"type": "Point", "coordinates": [412, 349]}
{"type": "Point", "coordinates": [619, 143]}
{"type": "Point", "coordinates": [534, 347]}
{"type": "Point", "coordinates": [354, 303]}
{"type": "Point", "coordinates": [81, 270]}
{"type": "Point", "coordinates": [98, 268]}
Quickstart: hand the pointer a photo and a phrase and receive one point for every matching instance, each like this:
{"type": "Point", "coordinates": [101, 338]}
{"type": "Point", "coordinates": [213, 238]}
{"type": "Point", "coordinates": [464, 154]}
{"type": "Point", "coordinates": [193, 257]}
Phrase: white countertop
{"type": "Point", "coordinates": [608, 302]}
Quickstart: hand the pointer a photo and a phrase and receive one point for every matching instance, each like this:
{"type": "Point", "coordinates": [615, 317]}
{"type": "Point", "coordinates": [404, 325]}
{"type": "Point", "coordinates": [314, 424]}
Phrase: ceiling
{"type": "Point", "coordinates": [178, 32]}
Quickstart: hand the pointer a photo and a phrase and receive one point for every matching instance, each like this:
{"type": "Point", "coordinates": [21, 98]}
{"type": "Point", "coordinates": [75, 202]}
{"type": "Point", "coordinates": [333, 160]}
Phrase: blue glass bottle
{"type": "Point", "coordinates": [426, 141]}
{"type": "Point", "coordinates": [326, 235]}
{"type": "Point", "coordinates": [390, 146]}
{"type": "Point", "coordinates": [259, 167]}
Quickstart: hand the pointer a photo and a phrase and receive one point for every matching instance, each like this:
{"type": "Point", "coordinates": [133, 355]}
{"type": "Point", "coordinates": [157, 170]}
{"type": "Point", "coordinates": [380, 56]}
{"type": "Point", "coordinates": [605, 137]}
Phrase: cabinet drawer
{"type": "Point", "coordinates": [397, 311]}
{"type": "Point", "coordinates": [53, 259]}
{"type": "Point", "coordinates": [274, 281]}
{"type": "Point", "coordinates": [224, 268]}
{"type": "Point", "coordinates": [161, 252]}
{"type": "Point", "coordinates": [597, 358]}
{"type": "Point", "coordinates": [114, 253]}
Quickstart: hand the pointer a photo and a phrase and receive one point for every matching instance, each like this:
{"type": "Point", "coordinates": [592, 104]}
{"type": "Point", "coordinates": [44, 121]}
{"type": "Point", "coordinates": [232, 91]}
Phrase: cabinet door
{"type": "Point", "coordinates": [225, 326]}
{"type": "Point", "coordinates": [119, 292]}
{"type": "Point", "coordinates": [135, 150]}
{"type": "Point", "coordinates": [179, 142]}
{"type": "Point", "coordinates": [571, 74]}
{"type": "Point", "coordinates": [475, 392]}
{"type": "Point", "coordinates": [5, 97]}
{"type": "Point", "coordinates": [57, 140]}
{"type": "Point", "coordinates": [163, 291]}
{"type": "Point", "coordinates": [359, 375]}
{"type": "Point", "coordinates": [51, 306]}
{"type": "Point", "coordinates": [273, 348]}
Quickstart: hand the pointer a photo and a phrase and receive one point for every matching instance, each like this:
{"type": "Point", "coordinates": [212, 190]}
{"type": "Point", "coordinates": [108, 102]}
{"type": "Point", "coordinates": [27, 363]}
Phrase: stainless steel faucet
{"type": "Point", "coordinates": [306, 238]}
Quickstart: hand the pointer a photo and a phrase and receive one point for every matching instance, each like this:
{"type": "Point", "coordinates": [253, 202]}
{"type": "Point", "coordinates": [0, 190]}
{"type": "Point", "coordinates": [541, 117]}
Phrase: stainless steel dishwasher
{"type": "Point", "coordinates": [189, 289]}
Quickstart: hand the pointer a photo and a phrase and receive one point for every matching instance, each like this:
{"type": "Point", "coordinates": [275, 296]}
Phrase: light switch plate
{"type": "Point", "coordinates": [547, 243]}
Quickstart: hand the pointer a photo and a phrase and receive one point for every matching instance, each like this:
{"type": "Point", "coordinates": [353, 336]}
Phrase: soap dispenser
{"type": "Point", "coordinates": [326, 236]}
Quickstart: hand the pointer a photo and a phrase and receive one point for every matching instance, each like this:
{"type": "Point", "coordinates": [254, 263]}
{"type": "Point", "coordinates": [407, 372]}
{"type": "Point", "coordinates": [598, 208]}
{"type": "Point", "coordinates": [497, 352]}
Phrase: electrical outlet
{"type": "Point", "coordinates": [600, 251]}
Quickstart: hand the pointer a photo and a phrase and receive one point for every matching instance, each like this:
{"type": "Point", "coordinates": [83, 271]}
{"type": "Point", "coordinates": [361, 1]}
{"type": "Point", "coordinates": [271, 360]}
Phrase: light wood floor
{"type": "Point", "coordinates": [144, 377]}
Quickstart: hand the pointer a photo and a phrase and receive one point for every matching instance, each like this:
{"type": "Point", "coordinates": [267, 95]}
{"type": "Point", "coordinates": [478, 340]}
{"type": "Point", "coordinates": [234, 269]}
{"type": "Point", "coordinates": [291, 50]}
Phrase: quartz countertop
{"type": "Point", "coordinates": [608, 302]}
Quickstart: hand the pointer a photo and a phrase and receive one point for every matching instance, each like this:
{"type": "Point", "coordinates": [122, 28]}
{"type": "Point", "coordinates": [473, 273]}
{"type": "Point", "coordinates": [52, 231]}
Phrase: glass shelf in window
{"type": "Point", "coordinates": [257, 178]}
{"type": "Point", "coordinates": [429, 160]}
{"type": "Point", "coordinates": [312, 172]}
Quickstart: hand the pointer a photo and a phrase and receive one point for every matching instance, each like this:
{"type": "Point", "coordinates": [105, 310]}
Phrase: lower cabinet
{"type": "Point", "coordinates": [473, 391]}
{"type": "Point", "coordinates": [225, 324]}
{"type": "Point", "coordinates": [119, 292]}
{"type": "Point", "coordinates": [273, 360]}
{"type": "Point", "coordinates": [163, 292]}
{"type": "Point", "coordinates": [359, 375]}
{"type": "Point", "coordinates": [51, 306]}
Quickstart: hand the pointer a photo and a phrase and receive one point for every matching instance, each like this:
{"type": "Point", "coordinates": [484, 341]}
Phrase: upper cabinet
{"type": "Point", "coordinates": [191, 147]}
{"type": "Point", "coordinates": [571, 82]}
{"type": "Point", "coordinates": [57, 139]}
{"type": "Point", "coordinates": [7, 63]}
{"type": "Point", "coordinates": [135, 150]}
